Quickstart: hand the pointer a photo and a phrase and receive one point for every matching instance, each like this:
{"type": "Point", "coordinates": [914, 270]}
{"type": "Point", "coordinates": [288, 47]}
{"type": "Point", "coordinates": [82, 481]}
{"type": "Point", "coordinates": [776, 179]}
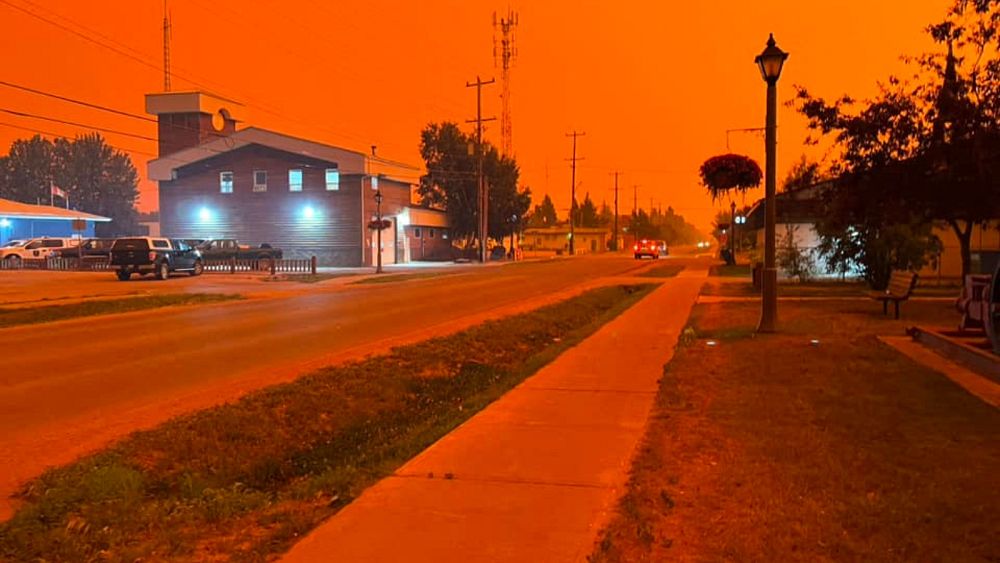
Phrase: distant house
{"type": "Point", "coordinates": [24, 221]}
{"type": "Point", "coordinates": [556, 239]}
{"type": "Point", "coordinates": [260, 186]}
{"type": "Point", "coordinates": [798, 211]}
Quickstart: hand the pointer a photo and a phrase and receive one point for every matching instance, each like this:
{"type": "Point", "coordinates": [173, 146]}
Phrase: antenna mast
{"type": "Point", "coordinates": [166, 48]}
{"type": "Point", "coordinates": [504, 55]}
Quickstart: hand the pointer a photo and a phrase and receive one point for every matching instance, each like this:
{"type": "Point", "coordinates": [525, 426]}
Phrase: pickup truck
{"type": "Point", "coordinates": [89, 249]}
{"type": "Point", "coordinates": [226, 248]}
{"type": "Point", "coordinates": [152, 255]}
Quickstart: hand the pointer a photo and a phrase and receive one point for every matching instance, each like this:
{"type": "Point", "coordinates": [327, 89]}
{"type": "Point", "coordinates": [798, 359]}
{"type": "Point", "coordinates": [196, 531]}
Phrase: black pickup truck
{"type": "Point", "coordinates": [89, 249]}
{"type": "Point", "coordinates": [226, 248]}
{"type": "Point", "coordinates": [157, 256]}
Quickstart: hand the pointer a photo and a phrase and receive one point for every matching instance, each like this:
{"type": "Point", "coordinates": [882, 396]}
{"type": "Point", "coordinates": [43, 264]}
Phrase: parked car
{"type": "Point", "coordinates": [92, 248]}
{"type": "Point", "coordinates": [36, 248]}
{"type": "Point", "coordinates": [226, 248]}
{"type": "Point", "coordinates": [652, 248]}
{"type": "Point", "coordinates": [152, 255]}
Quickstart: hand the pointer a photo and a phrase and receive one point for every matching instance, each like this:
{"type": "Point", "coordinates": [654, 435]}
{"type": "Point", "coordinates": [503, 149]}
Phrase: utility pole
{"type": "Point", "coordinates": [572, 194]}
{"type": "Point", "coordinates": [166, 48]}
{"type": "Point", "coordinates": [635, 199]}
{"type": "Point", "coordinates": [482, 189]}
{"type": "Point", "coordinates": [614, 239]}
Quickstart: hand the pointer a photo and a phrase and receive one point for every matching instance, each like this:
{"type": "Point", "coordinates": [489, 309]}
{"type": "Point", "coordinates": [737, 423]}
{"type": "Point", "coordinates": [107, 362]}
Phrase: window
{"type": "Point", "coordinates": [416, 232]}
{"type": "Point", "coordinates": [260, 180]}
{"type": "Point", "coordinates": [160, 243]}
{"type": "Point", "coordinates": [226, 182]}
{"type": "Point", "coordinates": [332, 179]}
{"type": "Point", "coordinates": [295, 180]}
{"type": "Point", "coordinates": [53, 243]}
{"type": "Point", "coordinates": [430, 233]}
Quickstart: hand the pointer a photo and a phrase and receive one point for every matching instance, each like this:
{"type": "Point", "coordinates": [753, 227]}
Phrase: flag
{"type": "Point", "coordinates": [57, 192]}
{"type": "Point", "coordinates": [54, 191]}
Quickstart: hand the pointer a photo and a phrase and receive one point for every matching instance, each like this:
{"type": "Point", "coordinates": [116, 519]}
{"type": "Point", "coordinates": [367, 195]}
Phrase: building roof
{"type": "Point", "coordinates": [347, 161]}
{"type": "Point", "coordinates": [803, 205]}
{"type": "Point", "coordinates": [16, 210]}
{"type": "Point", "coordinates": [564, 230]}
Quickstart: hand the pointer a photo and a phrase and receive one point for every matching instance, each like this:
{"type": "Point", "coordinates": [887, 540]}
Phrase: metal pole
{"type": "Point", "coordinates": [378, 235]}
{"type": "Point", "coordinates": [769, 293]}
{"type": "Point", "coordinates": [572, 203]}
{"type": "Point", "coordinates": [732, 229]}
{"type": "Point", "coordinates": [614, 243]}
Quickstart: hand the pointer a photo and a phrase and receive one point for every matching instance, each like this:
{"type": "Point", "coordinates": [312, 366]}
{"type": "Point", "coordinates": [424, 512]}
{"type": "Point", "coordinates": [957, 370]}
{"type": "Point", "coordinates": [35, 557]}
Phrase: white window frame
{"type": "Point", "coordinates": [258, 186]}
{"type": "Point", "coordinates": [224, 186]}
{"type": "Point", "coordinates": [335, 184]}
{"type": "Point", "coordinates": [293, 186]}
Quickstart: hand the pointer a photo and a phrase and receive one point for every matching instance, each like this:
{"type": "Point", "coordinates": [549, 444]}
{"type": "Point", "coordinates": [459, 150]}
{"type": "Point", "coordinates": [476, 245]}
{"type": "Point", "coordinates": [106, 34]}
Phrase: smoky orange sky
{"type": "Point", "coordinates": [655, 85]}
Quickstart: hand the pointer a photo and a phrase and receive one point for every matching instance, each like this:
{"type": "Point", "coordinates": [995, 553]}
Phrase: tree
{"type": "Point", "coordinates": [917, 152]}
{"type": "Point", "coordinates": [98, 179]}
{"type": "Point", "coordinates": [641, 227]}
{"type": "Point", "coordinates": [802, 175]}
{"type": "Point", "coordinates": [451, 183]}
{"type": "Point", "coordinates": [587, 214]}
{"type": "Point", "coordinates": [27, 171]}
{"type": "Point", "coordinates": [544, 214]}
{"type": "Point", "coordinates": [605, 215]}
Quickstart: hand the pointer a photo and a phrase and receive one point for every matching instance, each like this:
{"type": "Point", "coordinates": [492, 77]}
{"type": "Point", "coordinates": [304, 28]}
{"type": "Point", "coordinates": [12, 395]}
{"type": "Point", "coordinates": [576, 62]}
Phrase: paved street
{"type": "Point", "coordinates": [69, 387]}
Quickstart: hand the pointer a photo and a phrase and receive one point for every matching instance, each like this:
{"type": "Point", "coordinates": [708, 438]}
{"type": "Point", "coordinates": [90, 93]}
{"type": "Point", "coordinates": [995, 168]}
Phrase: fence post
{"type": "Point", "coordinates": [313, 265]}
{"type": "Point", "coordinates": [232, 265]}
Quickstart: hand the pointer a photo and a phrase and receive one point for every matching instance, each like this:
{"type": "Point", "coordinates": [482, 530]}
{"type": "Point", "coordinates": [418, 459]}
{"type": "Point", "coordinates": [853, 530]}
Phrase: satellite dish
{"type": "Point", "coordinates": [219, 120]}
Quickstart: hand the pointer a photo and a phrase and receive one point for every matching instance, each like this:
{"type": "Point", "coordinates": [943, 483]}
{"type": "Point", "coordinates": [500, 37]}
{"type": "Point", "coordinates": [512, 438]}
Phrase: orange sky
{"type": "Point", "coordinates": [654, 84]}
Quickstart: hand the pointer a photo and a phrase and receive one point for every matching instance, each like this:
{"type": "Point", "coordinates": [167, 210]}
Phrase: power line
{"type": "Point", "coordinates": [74, 123]}
{"type": "Point", "coordinates": [75, 101]}
{"type": "Point", "coordinates": [57, 135]}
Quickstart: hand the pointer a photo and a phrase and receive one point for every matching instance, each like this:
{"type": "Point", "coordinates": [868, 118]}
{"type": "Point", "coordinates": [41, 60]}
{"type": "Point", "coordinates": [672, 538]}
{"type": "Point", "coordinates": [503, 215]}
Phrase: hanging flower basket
{"type": "Point", "coordinates": [374, 224]}
{"type": "Point", "coordinates": [726, 172]}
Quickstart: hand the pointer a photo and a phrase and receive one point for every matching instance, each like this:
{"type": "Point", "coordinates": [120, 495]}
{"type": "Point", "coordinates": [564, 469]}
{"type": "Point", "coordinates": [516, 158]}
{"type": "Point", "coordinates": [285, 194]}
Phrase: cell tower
{"type": "Point", "coordinates": [166, 48]}
{"type": "Point", "coordinates": [504, 55]}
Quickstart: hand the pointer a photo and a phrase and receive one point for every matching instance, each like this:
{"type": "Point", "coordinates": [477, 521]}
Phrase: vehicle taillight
{"type": "Point", "coordinates": [152, 257]}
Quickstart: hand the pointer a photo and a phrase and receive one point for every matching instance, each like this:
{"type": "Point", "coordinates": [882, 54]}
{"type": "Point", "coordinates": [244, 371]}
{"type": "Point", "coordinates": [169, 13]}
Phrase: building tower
{"type": "Point", "coordinates": [504, 55]}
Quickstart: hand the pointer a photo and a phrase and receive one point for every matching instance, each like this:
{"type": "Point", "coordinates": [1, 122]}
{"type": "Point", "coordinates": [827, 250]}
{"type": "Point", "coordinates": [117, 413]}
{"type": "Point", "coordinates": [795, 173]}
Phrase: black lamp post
{"type": "Point", "coordinates": [378, 232]}
{"type": "Point", "coordinates": [770, 62]}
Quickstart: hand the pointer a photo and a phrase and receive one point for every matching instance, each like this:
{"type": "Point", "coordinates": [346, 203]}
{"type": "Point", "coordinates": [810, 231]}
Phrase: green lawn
{"type": "Point", "coordinates": [32, 315]}
{"type": "Point", "coordinates": [818, 443]}
{"type": "Point", "coordinates": [245, 480]}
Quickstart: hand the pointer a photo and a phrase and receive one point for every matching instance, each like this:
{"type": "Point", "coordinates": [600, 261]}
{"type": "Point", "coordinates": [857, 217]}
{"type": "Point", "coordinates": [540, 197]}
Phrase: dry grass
{"type": "Point", "coordinates": [244, 480]}
{"type": "Point", "coordinates": [33, 315]}
{"type": "Point", "coordinates": [770, 448]}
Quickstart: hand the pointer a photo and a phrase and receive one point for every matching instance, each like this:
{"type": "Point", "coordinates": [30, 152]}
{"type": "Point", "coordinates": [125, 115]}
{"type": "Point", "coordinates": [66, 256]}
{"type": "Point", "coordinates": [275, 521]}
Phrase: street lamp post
{"type": "Point", "coordinates": [732, 227]}
{"type": "Point", "coordinates": [770, 62]}
{"type": "Point", "coordinates": [378, 231]}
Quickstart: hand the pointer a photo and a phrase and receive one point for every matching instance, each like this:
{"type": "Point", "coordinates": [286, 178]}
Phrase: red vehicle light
{"type": "Point", "coordinates": [152, 257]}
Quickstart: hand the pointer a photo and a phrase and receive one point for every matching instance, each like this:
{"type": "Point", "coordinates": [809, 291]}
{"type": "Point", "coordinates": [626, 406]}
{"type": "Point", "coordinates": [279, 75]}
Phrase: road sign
{"type": "Point", "coordinates": [79, 225]}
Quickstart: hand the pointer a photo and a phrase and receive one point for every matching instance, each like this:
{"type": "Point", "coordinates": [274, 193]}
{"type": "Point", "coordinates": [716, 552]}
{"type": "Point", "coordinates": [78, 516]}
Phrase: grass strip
{"type": "Point", "coordinates": [665, 271]}
{"type": "Point", "coordinates": [392, 278]}
{"type": "Point", "coordinates": [306, 278]}
{"type": "Point", "coordinates": [244, 480]}
{"type": "Point", "coordinates": [726, 271]}
{"type": "Point", "coordinates": [14, 316]}
{"type": "Point", "coordinates": [817, 443]}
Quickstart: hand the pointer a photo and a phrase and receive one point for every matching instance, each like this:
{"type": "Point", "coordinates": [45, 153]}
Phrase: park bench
{"type": "Point", "coordinates": [901, 285]}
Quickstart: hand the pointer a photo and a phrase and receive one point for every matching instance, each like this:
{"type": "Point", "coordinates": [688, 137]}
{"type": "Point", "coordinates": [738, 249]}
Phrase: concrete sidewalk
{"type": "Point", "coordinates": [534, 476]}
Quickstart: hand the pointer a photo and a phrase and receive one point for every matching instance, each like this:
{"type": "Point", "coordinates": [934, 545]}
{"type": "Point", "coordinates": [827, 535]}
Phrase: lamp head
{"type": "Point", "coordinates": [770, 61]}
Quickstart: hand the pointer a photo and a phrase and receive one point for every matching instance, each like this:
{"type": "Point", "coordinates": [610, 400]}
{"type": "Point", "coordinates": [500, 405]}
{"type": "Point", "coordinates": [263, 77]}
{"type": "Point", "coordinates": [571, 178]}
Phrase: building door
{"type": "Point", "coordinates": [388, 244]}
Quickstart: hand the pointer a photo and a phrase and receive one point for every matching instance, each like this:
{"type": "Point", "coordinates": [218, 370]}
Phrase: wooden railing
{"type": "Point", "coordinates": [228, 266]}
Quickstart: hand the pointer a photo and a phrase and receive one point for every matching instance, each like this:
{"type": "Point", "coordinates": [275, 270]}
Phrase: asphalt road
{"type": "Point", "coordinates": [70, 387]}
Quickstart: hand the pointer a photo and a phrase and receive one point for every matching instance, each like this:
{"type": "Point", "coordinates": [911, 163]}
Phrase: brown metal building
{"type": "Point", "coordinates": [259, 186]}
